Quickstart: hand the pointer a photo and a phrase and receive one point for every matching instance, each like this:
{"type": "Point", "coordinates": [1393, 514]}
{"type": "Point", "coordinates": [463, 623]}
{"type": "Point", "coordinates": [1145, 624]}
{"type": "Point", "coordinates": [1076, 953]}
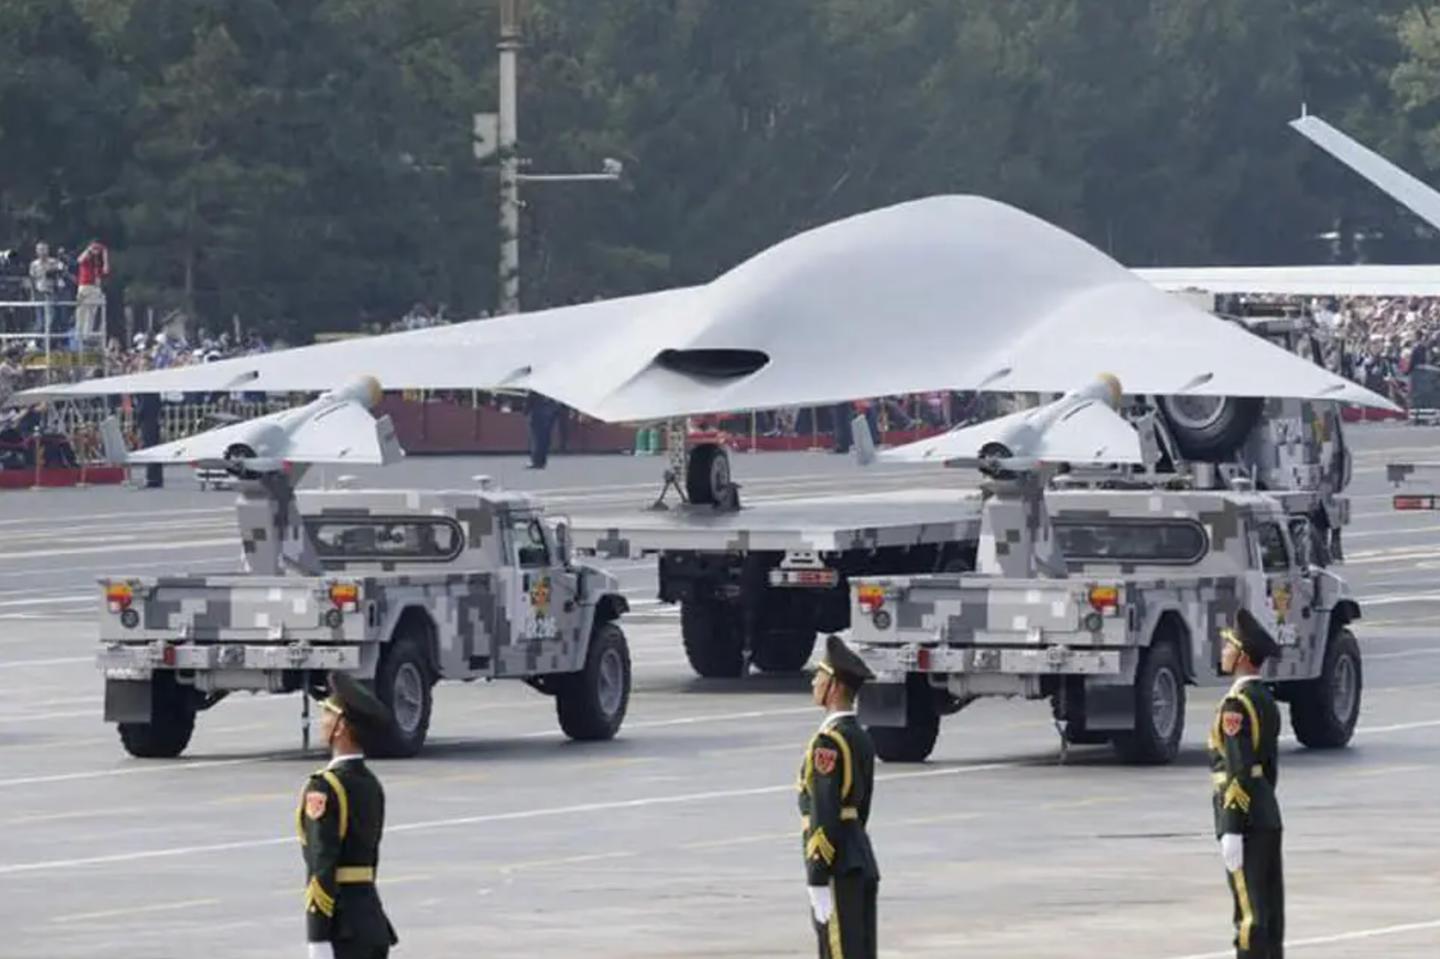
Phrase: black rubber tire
{"type": "Point", "coordinates": [707, 469]}
{"type": "Point", "coordinates": [784, 650]}
{"type": "Point", "coordinates": [1220, 435]}
{"type": "Point", "coordinates": [1313, 714]}
{"type": "Point", "coordinates": [1145, 745]}
{"type": "Point", "coordinates": [578, 703]}
{"type": "Point", "coordinates": [915, 741]}
{"type": "Point", "coordinates": [713, 641]}
{"type": "Point", "coordinates": [402, 654]}
{"type": "Point", "coordinates": [172, 714]}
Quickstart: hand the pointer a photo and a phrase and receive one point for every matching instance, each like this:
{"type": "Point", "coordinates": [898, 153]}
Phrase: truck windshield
{"type": "Point", "coordinates": [413, 539]}
{"type": "Point", "coordinates": [1172, 542]}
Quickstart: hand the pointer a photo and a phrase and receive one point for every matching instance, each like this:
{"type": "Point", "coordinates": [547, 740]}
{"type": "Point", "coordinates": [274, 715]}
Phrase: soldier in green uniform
{"type": "Point", "coordinates": [1244, 764]}
{"type": "Point", "coordinates": [836, 786]}
{"type": "Point", "coordinates": [340, 820]}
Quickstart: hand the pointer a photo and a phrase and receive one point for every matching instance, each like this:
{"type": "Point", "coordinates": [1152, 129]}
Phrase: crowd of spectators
{"type": "Point", "coordinates": [1376, 341]}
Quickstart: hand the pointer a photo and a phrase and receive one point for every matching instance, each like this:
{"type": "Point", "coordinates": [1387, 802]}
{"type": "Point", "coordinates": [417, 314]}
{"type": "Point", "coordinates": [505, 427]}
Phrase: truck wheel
{"type": "Point", "coordinates": [713, 642]}
{"type": "Point", "coordinates": [172, 714]}
{"type": "Point", "coordinates": [591, 704]}
{"type": "Point", "coordinates": [1159, 709]}
{"type": "Point", "coordinates": [403, 683]}
{"type": "Point", "coordinates": [1324, 710]}
{"type": "Point", "coordinates": [915, 741]}
{"type": "Point", "coordinates": [785, 650]}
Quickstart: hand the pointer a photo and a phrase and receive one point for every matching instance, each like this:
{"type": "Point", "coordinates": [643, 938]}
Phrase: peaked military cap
{"type": "Point", "coordinates": [844, 663]}
{"type": "Point", "coordinates": [352, 700]}
{"type": "Point", "coordinates": [1253, 639]}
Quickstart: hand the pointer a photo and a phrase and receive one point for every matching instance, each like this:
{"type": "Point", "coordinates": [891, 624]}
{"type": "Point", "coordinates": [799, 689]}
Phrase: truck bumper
{"type": "Point", "coordinates": [138, 660]}
{"type": "Point", "coordinates": [1050, 660]}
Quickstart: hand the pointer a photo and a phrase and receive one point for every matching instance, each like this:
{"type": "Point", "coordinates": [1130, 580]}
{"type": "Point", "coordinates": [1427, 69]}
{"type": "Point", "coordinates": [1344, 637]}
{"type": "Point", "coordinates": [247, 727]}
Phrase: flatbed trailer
{"type": "Point", "coordinates": [756, 584]}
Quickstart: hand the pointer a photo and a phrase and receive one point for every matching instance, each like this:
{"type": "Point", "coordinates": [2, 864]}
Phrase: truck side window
{"type": "Point", "coordinates": [530, 547]}
{"type": "Point", "coordinates": [1274, 557]}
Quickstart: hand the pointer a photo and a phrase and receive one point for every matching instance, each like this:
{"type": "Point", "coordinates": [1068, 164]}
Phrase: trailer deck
{"type": "Point", "coordinates": [823, 524]}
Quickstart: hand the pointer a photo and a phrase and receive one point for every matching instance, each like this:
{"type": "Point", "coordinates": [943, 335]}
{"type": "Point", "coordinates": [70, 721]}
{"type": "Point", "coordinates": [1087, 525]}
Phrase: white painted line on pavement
{"type": "Point", "coordinates": [1356, 935]}
{"type": "Point", "coordinates": [133, 515]}
{"type": "Point", "coordinates": [33, 663]}
{"type": "Point", "coordinates": [522, 814]}
{"type": "Point", "coordinates": [121, 548]}
{"type": "Point", "coordinates": [642, 802]}
{"type": "Point", "coordinates": [711, 719]}
{"type": "Point", "coordinates": [1396, 599]}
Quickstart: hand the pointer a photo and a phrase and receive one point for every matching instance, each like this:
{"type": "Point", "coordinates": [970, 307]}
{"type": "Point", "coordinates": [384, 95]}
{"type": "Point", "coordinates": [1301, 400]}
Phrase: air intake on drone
{"type": "Point", "coordinates": [713, 364]}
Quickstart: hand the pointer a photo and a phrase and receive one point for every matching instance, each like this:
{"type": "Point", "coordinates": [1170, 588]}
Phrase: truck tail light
{"type": "Point", "coordinates": [871, 598]}
{"type": "Point", "coordinates": [345, 596]}
{"type": "Point", "coordinates": [119, 597]}
{"type": "Point", "coordinates": [1105, 599]}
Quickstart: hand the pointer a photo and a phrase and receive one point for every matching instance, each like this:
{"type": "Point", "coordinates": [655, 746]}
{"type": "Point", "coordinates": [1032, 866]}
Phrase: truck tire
{"type": "Point", "coordinates": [592, 703]}
{"type": "Point", "coordinates": [404, 684]}
{"type": "Point", "coordinates": [1159, 709]}
{"type": "Point", "coordinates": [1207, 428]}
{"type": "Point", "coordinates": [172, 714]}
{"type": "Point", "coordinates": [713, 641]}
{"type": "Point", "coordinates": [785, 650]}
{"type": "Point", "coordinates": [1325, 710]}
{"type": "Point", "coordinates": [915, 741]}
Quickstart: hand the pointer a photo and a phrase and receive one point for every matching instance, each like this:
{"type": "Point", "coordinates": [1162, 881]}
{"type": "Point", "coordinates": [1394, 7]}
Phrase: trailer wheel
{"type": "Point", "coordinates": [1209, 428]}
{"type": "Point", "coordinates": [707, 472]}
{"type": "Point", "coordinates": [1324, 710]}
{"type": "Point", "coordinates": [915, 741]}
{"type": "Point", "coordinates": [713, 641]}
{"type": "Point", "coordinates": [1159, 709]}
{"type": "Point", "coordinates": [172, 721]}
{"type": "Point", "coordinates": [785, 650]}
{"type": "Point", "coordinates": [404, 684]}
{"type": "Point", "coordinates": [592, 703]}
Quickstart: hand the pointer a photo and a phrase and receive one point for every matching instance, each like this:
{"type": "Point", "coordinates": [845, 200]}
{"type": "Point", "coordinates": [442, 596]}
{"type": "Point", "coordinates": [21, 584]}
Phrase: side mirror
{"type": "Point", "coordinates": [562, 543]}
{"type": "Point", "coordinates": [1302, 535]}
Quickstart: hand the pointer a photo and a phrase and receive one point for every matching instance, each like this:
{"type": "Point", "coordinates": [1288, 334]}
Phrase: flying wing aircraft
{"type": "Point", "coordinates": [945, 292]}
{"type": "Point", "coordinates": [1363, 280]}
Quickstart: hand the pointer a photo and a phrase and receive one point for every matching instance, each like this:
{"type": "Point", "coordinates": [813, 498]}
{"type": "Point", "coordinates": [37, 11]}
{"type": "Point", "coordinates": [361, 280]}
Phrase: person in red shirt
{"type": "Point", "coordinates": [94, 267]}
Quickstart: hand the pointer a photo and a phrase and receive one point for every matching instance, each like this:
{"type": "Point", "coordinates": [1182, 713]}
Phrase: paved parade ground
{"type": "Point", "coordinates": [681, 838]}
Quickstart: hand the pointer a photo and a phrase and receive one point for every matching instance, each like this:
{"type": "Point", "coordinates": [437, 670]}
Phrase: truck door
{"type": "Point", "coordinates": [1283, 602]}
{"type": "Point", "coordinates": [529, 582]}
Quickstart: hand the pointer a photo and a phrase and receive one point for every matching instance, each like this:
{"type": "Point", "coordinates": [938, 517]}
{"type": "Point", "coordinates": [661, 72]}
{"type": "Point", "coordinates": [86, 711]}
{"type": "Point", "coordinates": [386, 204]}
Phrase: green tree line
{"type": "Point", "coordinates": [307, 165]}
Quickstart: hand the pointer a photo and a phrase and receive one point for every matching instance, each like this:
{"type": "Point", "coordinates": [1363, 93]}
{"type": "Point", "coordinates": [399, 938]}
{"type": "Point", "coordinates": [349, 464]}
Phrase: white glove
{"type": "Point", "coordinates": [321, 950]}
{"type": "Point", "coordinates": [1232, 850]}
{"type": "Point", "coordinates": [820, 903]}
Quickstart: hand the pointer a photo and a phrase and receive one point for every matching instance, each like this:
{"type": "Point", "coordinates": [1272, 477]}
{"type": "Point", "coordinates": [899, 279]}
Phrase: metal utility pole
{"type": "Point", "coordinates": [499, 133]}
{"type": "Point", "coordinates": [509, 161]}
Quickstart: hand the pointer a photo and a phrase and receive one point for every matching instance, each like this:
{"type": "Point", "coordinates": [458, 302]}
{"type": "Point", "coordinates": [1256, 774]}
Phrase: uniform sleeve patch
{"type": "Point", "coordinates": [315, 803]}
{"type": "Point", "coordinates": [825, 760]}
{"type": "Point", "coordinates": [1232, 722]}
